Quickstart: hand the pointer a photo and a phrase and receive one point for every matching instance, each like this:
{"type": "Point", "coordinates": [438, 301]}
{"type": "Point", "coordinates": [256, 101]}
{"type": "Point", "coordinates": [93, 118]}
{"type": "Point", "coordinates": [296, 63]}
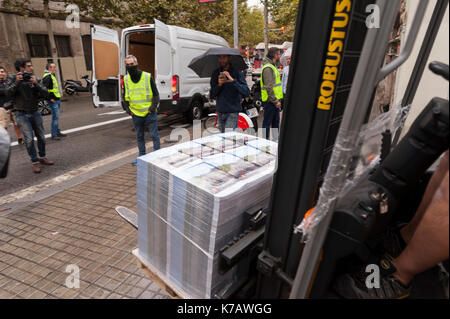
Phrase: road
{"type": "Point", "coordinates": [82, 147]}
{"type": "Point", "coordinates": [91, 139]}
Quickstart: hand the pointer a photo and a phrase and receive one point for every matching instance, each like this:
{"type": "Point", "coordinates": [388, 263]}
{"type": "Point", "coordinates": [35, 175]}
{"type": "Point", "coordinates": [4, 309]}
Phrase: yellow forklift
{"type": "Point", "coordinates": [322, 220]}
{"type": "Point", "coordinates": [324, 216]}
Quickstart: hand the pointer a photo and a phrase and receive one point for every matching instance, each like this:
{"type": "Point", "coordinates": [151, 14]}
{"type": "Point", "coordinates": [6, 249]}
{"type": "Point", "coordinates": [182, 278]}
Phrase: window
{"type": "Point", "coordinates": [39, 45]}
{"type": "Point", "coordinates": [63, 47]}
{"type": "Point", "coordinates": [87, 48]}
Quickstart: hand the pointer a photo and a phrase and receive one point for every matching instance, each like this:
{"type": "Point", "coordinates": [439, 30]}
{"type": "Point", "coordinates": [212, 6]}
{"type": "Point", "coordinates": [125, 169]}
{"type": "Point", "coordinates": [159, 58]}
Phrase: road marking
{"type": "Point", "coordinates": [112, 113]}
{"type": "Point", "coordinates": [83, 128]}
{"type": "Point", "coordinates": [68, 176]}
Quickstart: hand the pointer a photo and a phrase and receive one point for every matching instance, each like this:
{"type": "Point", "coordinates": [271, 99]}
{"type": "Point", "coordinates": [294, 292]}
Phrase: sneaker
{"type": "Point", "coordinates": [56, 138]}
{"type": "Point", "coordinates": [61, 134]}
{"type": "Point", "coordinates": [353, 286]}
{"type": "Point", "coordinates": [134, 163]}
{"type": "Point", "coordinates": [20, 141]}
{"type": "Point", "coordinates": [36, 168]}
{"type": "Point", "coordinates": [46, 161]}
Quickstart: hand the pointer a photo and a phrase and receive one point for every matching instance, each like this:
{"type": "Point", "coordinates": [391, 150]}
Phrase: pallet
{"type": "Point", "coordinates": [158, 278]}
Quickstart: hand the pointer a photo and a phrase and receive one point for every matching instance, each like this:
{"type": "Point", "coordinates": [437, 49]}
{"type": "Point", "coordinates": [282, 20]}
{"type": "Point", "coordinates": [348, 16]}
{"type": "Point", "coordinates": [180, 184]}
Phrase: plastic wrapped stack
{"type": "Point", "coordinates": [192, 199]}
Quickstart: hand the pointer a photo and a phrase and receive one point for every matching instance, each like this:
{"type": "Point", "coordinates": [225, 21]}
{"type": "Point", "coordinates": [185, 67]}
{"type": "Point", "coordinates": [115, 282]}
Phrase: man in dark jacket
{"type": "Point", "coordinates": [7, 106]}
{"type": "Point", "coordinates": [26, 90]}
{"type": "Point", "coordinates": [228, 86]}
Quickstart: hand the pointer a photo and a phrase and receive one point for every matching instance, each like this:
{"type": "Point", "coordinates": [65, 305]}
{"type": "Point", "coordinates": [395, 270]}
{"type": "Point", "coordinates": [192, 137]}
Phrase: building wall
{"type": "Point", "coordinates": [430, 84]}
{"type": "Point", "coordinates": [14, 44]}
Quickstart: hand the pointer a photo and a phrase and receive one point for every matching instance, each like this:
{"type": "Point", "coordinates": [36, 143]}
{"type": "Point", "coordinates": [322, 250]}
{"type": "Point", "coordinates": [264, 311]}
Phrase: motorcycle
{"type": "Point", "coordinates": [71, 86]}
{"type": "Point", "coordinates": [44, 108]}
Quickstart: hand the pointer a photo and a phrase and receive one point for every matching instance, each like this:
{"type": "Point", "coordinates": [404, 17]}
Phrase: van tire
{"type": "Point", "coordinates": [195, 110]}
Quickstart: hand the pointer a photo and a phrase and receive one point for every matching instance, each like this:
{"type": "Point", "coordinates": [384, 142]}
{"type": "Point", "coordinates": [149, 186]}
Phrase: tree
{"type": "Point", "coordinates": [216, 18]}
{"type": "Point", "coordinates": [283, 14]}
{"type": "Point", "coordinates": [251, 26]}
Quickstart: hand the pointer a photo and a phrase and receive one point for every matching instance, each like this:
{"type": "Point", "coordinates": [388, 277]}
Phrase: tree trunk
{"type": "Point", "coordinates": [51, 38]}
{"type": "Point", "coordinates": [266, 28]}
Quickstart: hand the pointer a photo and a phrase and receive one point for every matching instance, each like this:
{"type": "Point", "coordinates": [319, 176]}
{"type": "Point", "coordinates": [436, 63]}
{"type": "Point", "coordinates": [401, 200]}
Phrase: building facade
{"type": "Point", "coordinates": [27, 37]}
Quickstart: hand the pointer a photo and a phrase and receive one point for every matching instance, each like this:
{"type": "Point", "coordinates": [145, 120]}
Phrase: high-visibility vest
{"type": "Point", "coordinates": [139, 95]}
{"type": "Point", "coordinates": [277, 88]}
{"type": "Point", "coordinates": [55, 89]}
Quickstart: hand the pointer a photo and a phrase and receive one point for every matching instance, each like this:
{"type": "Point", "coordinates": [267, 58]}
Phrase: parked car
{"type": "Point", "coordinates": [162, 50]}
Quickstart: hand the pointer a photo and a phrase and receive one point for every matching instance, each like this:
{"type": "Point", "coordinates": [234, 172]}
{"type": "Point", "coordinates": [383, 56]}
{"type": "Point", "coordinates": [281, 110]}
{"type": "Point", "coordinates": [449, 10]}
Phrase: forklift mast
{"type": "Point", "coordinates": [327, 48]}
{"type": "Point", "coordinates": [337, 64]}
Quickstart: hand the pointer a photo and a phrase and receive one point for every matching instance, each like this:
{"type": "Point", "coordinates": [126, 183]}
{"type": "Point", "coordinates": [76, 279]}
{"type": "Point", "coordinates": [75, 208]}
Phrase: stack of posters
{"type": "Point", "coordinates": [192, 199]}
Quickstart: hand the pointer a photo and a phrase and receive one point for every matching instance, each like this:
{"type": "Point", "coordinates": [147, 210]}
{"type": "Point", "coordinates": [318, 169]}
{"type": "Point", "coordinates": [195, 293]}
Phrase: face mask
{"type": "Point", "coordinates": [132, 69]}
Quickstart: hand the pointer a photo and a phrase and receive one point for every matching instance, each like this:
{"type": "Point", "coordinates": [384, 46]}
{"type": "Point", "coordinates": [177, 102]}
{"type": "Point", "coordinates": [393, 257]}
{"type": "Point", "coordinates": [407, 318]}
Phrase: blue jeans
{"type": "Point", "coordinates": [55, 116]}
{"type": "Point", "coordinates": [140, 124]}
{"type": "Point", "coordinates": [30, 123]}
{"type": "Point", "coordinates": [228, 121]}
{"type": "Point", "coordinates": [271, 119]}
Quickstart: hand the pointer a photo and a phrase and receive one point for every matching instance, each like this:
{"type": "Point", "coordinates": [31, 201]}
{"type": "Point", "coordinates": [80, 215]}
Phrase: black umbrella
{"type": "Point", "coordinates": [205, 64]}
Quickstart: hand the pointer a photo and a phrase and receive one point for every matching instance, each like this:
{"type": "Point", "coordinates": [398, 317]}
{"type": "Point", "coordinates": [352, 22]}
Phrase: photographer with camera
{"type": "Point", "coordinates": [26, 90]}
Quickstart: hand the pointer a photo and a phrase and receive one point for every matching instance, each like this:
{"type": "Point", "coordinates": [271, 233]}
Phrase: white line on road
{"type": "Point", "coordinates": [68, 176]}
{"type": "Point", "coordinates": [82, 128]}
{"type": "Point", "coordinates": [112, 113]}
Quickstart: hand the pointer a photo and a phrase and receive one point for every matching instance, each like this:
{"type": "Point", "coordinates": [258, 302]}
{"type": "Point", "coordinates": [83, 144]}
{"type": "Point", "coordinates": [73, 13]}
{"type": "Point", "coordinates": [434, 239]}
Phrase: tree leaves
{"type": "Point", "coordinates": [216, 18]}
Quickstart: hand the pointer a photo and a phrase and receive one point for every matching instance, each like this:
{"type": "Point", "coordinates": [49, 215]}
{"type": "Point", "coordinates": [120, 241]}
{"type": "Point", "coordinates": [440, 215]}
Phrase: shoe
{"type": "Point", "coordinates": [20, 141]}
{"type": "Point", "coordinates": [46, 161]}
{"type": "Point", "coordinates": [36, 168]}
{"type": "Point", "coordinates": [61, 134]}
{"type": "Point", "coordinates": [56, 138]}
{"type": "Point", "coordinates": [353, 286]}
{"type": "Point", "coordinates": [134, 163]}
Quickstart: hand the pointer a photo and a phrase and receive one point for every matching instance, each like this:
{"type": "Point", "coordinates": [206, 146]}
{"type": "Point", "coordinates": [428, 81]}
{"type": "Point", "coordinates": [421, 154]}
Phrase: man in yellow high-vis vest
{"type": "Point", "coordinates": [271, 93]}
{"type": "Point", "coordinates": [54, 99]}
{"type": "Point", "coordinates": [141, 99]}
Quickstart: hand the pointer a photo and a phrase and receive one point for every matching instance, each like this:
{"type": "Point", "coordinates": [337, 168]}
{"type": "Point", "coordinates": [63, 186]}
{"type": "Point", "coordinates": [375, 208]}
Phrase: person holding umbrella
{"type": "Point", "coordinates": [228, 85]}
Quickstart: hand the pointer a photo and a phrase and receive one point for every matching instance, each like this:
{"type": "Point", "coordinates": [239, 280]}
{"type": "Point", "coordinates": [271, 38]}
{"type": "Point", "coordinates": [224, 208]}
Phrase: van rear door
{"type": "Point", "coordinates": [163, 57]}
{"type": "Point", "coordinates": [105, 66]}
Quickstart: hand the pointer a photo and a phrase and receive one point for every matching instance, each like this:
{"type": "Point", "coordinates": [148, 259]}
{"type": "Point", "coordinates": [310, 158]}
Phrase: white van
{"type": "Point", "coordinates": [162, 50]}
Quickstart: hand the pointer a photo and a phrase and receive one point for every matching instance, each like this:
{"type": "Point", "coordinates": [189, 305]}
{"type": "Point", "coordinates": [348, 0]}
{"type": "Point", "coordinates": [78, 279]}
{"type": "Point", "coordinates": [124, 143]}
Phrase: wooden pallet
{"type": "Point", "coordinates": [158, 278]}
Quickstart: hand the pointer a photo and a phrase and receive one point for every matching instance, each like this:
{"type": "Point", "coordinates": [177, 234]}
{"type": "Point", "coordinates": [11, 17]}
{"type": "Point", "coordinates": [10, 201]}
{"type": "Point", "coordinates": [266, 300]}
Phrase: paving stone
{"type": "Point", "coordinates": [76, 226]}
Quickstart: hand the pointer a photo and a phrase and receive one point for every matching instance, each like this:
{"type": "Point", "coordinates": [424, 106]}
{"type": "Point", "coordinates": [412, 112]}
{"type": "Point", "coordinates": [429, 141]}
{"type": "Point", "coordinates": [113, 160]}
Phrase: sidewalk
{"type": "Point", "coordinates": [75, 226]}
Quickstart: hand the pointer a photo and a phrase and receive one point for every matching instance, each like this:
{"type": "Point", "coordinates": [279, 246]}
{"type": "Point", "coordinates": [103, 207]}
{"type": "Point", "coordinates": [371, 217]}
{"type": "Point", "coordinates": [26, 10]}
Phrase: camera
{"type": "Point", "coordinates": [26, 76]}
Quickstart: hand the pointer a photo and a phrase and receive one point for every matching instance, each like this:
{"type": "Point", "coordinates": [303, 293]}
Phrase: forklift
{"type": "Point", "coordinates": [337, 63]}
{"type": "Point", "coordinates": [317, 224]}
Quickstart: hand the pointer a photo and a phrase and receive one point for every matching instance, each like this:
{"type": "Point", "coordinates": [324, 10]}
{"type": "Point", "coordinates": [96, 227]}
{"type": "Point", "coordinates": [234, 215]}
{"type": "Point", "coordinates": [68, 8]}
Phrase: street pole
{"type": "Point", "coordinates": [266, 29]}
{"type": "Point", "coordinates": [236, 25]}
